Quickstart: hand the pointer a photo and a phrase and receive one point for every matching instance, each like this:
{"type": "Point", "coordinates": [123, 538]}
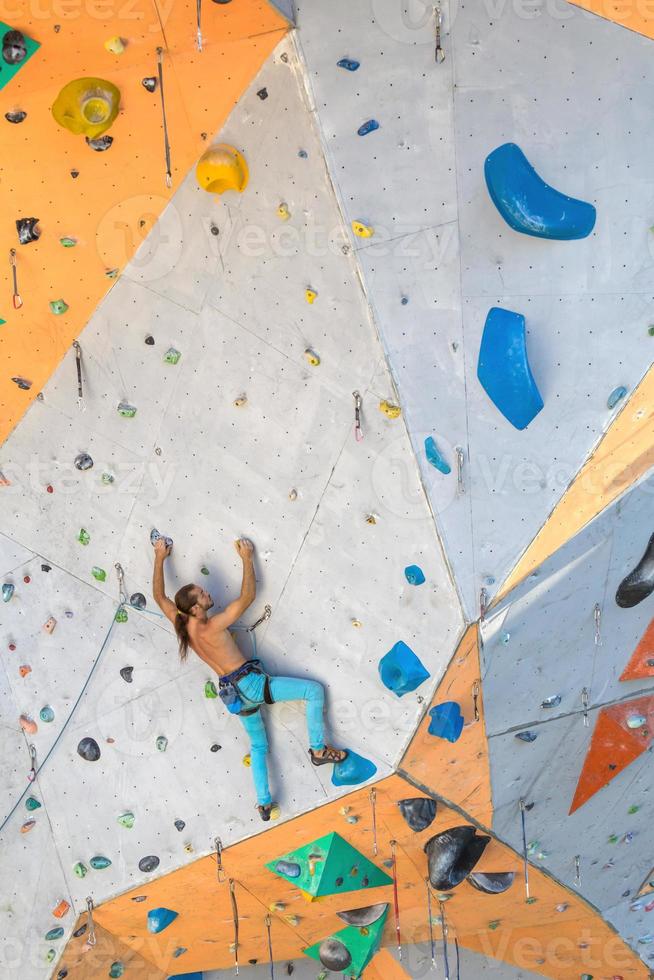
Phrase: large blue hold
{"type": "Point", "coordinates": [503, 368]}
{"type": "Point", "coordinates": [530, 205]}
{"type": "Point", "coordinates": [352, 770]}
{"type": "Point", "coordinates": [160, 919]}
{"type": "Point", "coordinates": [446, 721]}
{"type": "Point", "coordinates": [187, 976]}
{"type": "Point", "coordinates": [401, 671]}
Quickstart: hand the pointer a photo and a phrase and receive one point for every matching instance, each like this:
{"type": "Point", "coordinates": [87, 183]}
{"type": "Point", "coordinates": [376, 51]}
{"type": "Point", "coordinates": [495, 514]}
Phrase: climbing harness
{"type": "Point", "coordinates": [438, 17]}
{"type": "Point", "coordinates": [446, 964]}
{"type": "Point", "coordinates": [475, 700]}
{"type": "Point", "coordinates": [16, 298]}
{"type": "Point", "coordinates": [32, 773]}
{"type": "Point", "coordinates": [373, 807]}
{"type": "Point", "coordinates": [220, 871]}
{"type": "Point", "coordinates": [584, 701]}
{"type": "Point", "coordinates": [460, 460]}
{"type": "Point", "coordinates": [396, 903]}
{"type": "Point", "coordinates": [432, 942]}
{"type": "Point", "coordinates": [597, 614]}
{"type": "Point", "coordinates": [231, 696]}
{"type": "Point", "coordinates": [358, 431]}
{"type": "Point", "coordinates": [78, 364]}
{"type": "Point", "coordinates": [268, 924]}
{"type": "Point", "coordinates": [91, 941]}
{"type": "Point", "coordinates": [523, 810]}
{"type": "Point", "coordinates": [199, 20]}
{"type": "Point", "coordinates": [169, 175]}
{"type": "Point", "coordinates": [232, 897]}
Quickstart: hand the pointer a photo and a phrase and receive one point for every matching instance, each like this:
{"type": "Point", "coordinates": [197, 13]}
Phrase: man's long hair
{"type": "Point", "coordinates": [184, 600]}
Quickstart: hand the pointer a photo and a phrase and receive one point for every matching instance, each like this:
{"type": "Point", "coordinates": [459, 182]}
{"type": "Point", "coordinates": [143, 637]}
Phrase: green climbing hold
{"type": "Point", "coordinates": [126, 410]}
{"type": "Point", "coordinates": [172, 356]}
{"type": "Point", "coordinates": [83, 537]}
{"type": "Point", "coordinates": [210, 690]}
{"type": "Point", "coordinates": [80, 870]}
{"type": "Point", "coordinates": [107, 479]}
{"type": "Point", "coordinates": [50, 955]}
{"type": "Point", "coordinates": [99, 574]}
{"type": "Point", "coordinates": [613, 839]}
{"type": "Point", "coordinates": [162, 743]}
{"type": "Point", "coordinates": [55, 933]}
{"type": "Point", "coordinates": [68, 242]}
{"type": "Point", "coordinates": [121, 615]}
{"type": "Point", "coordinates": [531, 900]}
{"type": "Point", "coordinates": [58, 306]}
{"type": "Point", "coordinates": [204, 570]}
{"type": "Point", "coordinates": [46, 713]}
{"type": "Point", "coordinates": [650, 330]}
{"type": "Point", "coordinates": [32, 804]}
{"type": "Point", "coordinates": [117, 969]}
{"type": "Point", "coordinates": [634, 808]}
{"type": "Point", "coordinates": [99, 862]}
{"type": "Point", "coordinates": [126, 820]}
{"type": "Point", "coordinates": [494, 924]}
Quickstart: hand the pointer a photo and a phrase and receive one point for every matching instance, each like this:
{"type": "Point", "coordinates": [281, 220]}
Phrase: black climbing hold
{"type": "Point", "coordinates": [14, 48]}
{"type": "Point", "coordinates": [126, 674]}
{"type": "Point", "coordinates": [419, 812]}
{"type": "Point", "coordinates": [639, 583]}
{"type": "Point", "coordinates": [222, 1]}
{"type": "Point", "coordinates": [89, 749]}
{"type": "Point", "coordinates": [83, 461]}
{"type": "Point", "coordinates": [290, 969]}
{"type": "Point", "coordinates": [338, 882]}
{"type": "Point", "coordinates": [365, 881]}
{"type": "Point", "coordinates": [526, 736]}
{"type": "Point", "coordinates": [149, 83]}
{"type": "Point", "coordinates": [179, 825]}
{"type": "Point", "coordinates": [16, 117]}
{"type": "Point", "coordinates": [149, 863]}
{"type": "Point", "coordinates": [149, 340]}
{"type": "Point", "coordinates": [63, 973]}
{"type": "Point", "coordinates": [364, 916]}
{"type": "Point", "coordinates": [137, 600]}
{"type": "Point", "coordinates": [215, 747]}
{"type": "Point", "coordinates": [263, 93]}
{"type": "Point", "coordinates": [139, 898]}
{"type": "Point", "coordinates": [334, 955]}
{"type": "Point", "coordinates": [22, 383]}
{"type": "Point", "coordinates": [214, 230]}
{"type": "Point", "coordinates": [74, 174]}
{"type": "Point", "coordinates": [46, 568]}
{"type": "Point", "coordinates": [80, 932]}
{"type": "Point", "coordinates": [100, 143]}
{"type": "Point", "coordinates": [27, 230]}
{"type": "Point", "coordinates": [452, 854]}
{"type": "Point", "coordinates": [492, 882]}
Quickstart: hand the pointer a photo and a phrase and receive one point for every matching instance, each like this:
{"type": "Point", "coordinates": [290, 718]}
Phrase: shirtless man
{"type": "Point", "coordinates": [210, 639]}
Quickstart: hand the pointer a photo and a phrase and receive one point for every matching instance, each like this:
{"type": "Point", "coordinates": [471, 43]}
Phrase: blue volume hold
{"type": "Point", "coordinates": [401, 671]}
{"type": "Point", "coordinates": [446, 721]}
{"type": "Point", "coordinates": [414, 574]}
{"type": "Point", "coordinates": [434, 457]}
{"type": "Point", "coordinates": [503, 368]}
{"type": "Point", "coordinates": [368, 127]}
{"type": "Point", "coordinates": [528, 204]}
{"type": "Point", "coordinates": [159, 919]}
{"type": "Point", "coordinates": [352, 770]}
{"type": "Point", "coordinates": [348, 64]}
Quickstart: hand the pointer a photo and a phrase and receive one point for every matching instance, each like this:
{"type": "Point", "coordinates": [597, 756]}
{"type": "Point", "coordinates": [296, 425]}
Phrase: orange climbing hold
{"type": "Point", "coordinates": [642, 660]}
{"type": "Point", "coordinates": [622, 733]}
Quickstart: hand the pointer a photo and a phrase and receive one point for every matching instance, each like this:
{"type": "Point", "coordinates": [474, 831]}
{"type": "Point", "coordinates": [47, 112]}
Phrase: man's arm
{"type": "Point", "coordinates": [231, 613]}
{"type": "Point", "coordinates": [167, 606]}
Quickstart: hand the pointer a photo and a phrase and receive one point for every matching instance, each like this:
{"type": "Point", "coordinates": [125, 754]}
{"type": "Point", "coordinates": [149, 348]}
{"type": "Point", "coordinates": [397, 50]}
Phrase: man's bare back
{"type": "Point", "coordinates": [216, 647]}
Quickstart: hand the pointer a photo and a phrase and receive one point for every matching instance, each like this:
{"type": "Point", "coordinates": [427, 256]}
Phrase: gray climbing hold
{"type": "Point", "coordinates": [89, 749]}
{"type": "Point", "coordinates": [215, 747]}
{"type": "Point", "coordinates": [288, 868]}
{"type": "Point", "coordinates": [526, 736]}
{"type": "Point", "coordinates": [419, 812]}
{"type": "Point", "coordinates": [22, 383]}
{"type": "Point", "coordinates": [14, 48]}
{"type": "Point", "coordinates": [83, 461]}
{"type": "Point", "coordinates": [552, 702]}
{"type": "Point", "coordinates": [16, 117]}
{"type": "Point", "coordinates": [46, 713]}
{"type": "Point", "coordinates": [55, 933]}
{"type": "Point", "coordinates": [149, 863]}
{"type": "Point", "coordinates": [639, 583]}
{"type": "Point", "coordinates": [452, 854]}
{"type": "Point", "coordinates": [364, 916]}
{"type": "Point", "coordinates": [149, 340]}
{"type": "Point", "coordinates": [100, 143]}
{"type": "Point", "coordinates": [334, 955]}
{"type": "Point", "coordinates": [28, 230]}
{"type": "Point", "coordinates": [179, 825]}
{"type": "Point", "coordinates": [154, 537]}
{"type": "Point", "coordinates": [492, 882]}
{"type": "Point", "coordinates": [149, 83]}
{"type": "Point", "coordinates": [162, 743]}
{"type": "Point", "coordinates": [126, 674]}
{"type": "Point", "coordinates": [263, 94]}
{"type": "Point", "coordinates": [137, 600]}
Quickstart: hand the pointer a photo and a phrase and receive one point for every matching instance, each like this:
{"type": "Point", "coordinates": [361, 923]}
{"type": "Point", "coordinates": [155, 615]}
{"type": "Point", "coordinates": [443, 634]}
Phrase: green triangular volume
{"type": "Point", "coordinates": [362, 944]}
{"type": "Point", "coordinates": [336, 865]}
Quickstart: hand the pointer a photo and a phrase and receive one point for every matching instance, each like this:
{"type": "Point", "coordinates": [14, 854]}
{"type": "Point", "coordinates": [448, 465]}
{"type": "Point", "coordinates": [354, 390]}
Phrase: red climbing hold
{"type": "Point", "coordinates": [26, 579]}
{"type": "Point", "coordinates": [642, 660]}
{"type": "Point", "coordinates": [50, 488]}
{"type": "Point", "coordinates": [12, 647]}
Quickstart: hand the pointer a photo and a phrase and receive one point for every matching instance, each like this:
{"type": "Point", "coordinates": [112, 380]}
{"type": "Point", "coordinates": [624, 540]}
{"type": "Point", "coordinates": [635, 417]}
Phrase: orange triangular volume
{"type": "Point", "coordinates": [613, 747]}
{"type": "Point", "coordinates": [642, 660]}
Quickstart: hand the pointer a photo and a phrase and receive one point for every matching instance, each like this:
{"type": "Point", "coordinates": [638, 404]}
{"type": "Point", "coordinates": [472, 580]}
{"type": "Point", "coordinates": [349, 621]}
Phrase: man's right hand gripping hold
{"type": "Point", "coordinates": [209, 637]}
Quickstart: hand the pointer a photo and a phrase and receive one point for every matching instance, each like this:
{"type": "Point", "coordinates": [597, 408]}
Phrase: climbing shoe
{"type": "Point", "coordinates": [265, 811]}
{"type": "Point", "coordinates": [330, 756]}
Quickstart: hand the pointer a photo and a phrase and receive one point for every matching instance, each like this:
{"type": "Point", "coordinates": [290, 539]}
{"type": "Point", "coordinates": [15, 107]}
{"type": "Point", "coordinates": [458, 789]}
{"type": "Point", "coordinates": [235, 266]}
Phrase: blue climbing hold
{"type": "Point", "coordinates": [414, 575]}
{"type": "Point", "coordinates": [160, 919]}
{"type": "Point", "coordinates": [528, 204]}
{"type": "Point", "coordinates": [401, 671]}
{"type": "Point", "coordinates": [434, 457]}
{"type": "Point", "coordinates": [187, 976]}
{"type": "Point", "coordinates": [368, 127]}
{"type": "Point", "coordinates": [7, 591]}
{"type": "Point", "coordinates": [503, 368]}
{"type": "Point", "coordinates": [446, 721]}
{"type": "Point", "coordinates": [616, 396]}
{"type": "Point", "coordinates": [348, 63]}
{"type": "Point", "coordinates": [352, 770]}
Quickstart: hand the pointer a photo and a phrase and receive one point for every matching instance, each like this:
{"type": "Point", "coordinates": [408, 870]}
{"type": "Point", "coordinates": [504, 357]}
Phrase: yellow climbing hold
{"type": "Point", "coordinates": [357, 624]}
{"type": "Point", "coordinates": [390, 411]}
{"type": "Point", "coordinates": [276, 907]}
{"type": "Point", "coordinates": [240, 401]}
{"type": "Point", "coordinates": [293, 920]}
{"type": "Point", "coordinates": [275, 811]}
{"type": "Point", "coordinates": [361, 230]}
{"type": "Point", "coordinates": [115, 45]}
{"type": "Point", "coordinates": [222, 168]}
{"type": "Point", "coordinates": [310, 295]}
{"type": "Point", "coordinates": [247, 761]}
{"type": "Point", "coordinates": [283, 212]}
{"type": "Point", "coordinates": [87, 106]}
{"type": "Point", "coordinates": [312, 357]}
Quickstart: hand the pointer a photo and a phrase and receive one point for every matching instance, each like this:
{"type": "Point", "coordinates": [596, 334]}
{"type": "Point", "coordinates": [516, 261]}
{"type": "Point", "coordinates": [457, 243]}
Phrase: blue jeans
{"type": "Point", "coordinates": [282, 689]}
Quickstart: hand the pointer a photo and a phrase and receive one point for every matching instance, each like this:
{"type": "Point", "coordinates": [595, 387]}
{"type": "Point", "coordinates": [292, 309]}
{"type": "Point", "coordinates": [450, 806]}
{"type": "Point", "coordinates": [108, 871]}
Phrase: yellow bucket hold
{"type": "Point", "coordinates": [87, 106]}
{"type": "Point", "coordinates": [222, 168]}
{"type": "Point", "coordinates": [361, 230]}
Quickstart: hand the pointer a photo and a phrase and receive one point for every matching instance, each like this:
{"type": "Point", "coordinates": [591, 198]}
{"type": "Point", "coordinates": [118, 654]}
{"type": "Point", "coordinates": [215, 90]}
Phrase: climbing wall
{"type": "Point", "coordinates": [243, 436]}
